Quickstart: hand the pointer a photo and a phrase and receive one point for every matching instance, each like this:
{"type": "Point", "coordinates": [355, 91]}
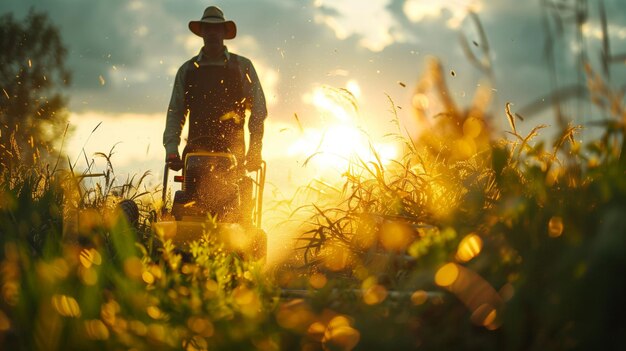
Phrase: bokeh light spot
{"type": "Point", "coordinates": [88, 276]}
{"type": "Point", "coordinates": [375, 294]}
{"type": "Point", "coordinates": [395, 236]}
{"type": "Point", "coordinates": [90, 256]}
{"type": "Point", "coordinates": [138, 327]}
{"type": "Point", "coordinates": [5, 323]}
{"type": "Point", "coordinates": [66, 306]}
{"type": "Point", "coordinates": [201, 326]}
{"type": "Point", "coordinates": [336, 257]}
{"type": "Point", "coordinates": [340, 335]}
{"type": "Point", "coordinates": [96, 330]}
{"type": "Point", "coordinates": [133, 267]}
{"type": "Point", "coordinates": [484, 315]}
{"type": "Point", "coordinates": [147, 277]}
{"type": "Point", "coordinates": [469, 247]}
{"type": "Point", "coordinates": [316, 331]}
{"type": "Point", "coordinates": [555, 227]}
{"type": "Point", "coordinates": [295, 315]}
{"type": "Point", "coordinates": [154, 312]}
{"type": "Point", "coordinates": [447, 275]}
{"type": "Point", "coordinates": [419, 297]}
{"type": "Point", "coordinates": [318, 280]}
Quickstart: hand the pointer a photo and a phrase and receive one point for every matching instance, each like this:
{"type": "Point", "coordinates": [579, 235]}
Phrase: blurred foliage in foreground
{"type": "Point", "coordinates": [468, 242]}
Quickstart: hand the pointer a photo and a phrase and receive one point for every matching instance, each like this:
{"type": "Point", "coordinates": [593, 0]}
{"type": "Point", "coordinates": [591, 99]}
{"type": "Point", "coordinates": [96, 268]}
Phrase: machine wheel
{"type": "Point", "coordinates": [180, 199]}
{"type": "Point", "coordinates": [130, 211]}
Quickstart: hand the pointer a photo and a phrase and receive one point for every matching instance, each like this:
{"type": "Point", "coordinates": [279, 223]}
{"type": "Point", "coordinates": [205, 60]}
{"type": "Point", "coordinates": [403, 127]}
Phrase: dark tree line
{"type": "Point", "coordinates": [33, 118]}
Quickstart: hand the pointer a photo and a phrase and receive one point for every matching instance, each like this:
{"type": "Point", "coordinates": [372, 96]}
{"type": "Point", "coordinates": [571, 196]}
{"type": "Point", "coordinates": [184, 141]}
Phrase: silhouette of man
{"type": "Point", "coordinates": [215, 89]}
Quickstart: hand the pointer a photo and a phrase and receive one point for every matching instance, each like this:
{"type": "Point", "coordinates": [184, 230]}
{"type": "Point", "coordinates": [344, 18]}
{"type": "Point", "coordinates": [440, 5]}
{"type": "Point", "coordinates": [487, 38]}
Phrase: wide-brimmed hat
{"type": "Point", "coordinates": [214, 16]}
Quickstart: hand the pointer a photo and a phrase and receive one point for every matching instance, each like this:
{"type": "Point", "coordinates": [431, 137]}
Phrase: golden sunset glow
{"type": "Point", "coordinates": [336, 146]}
{"type": "Point", "coordinates": [312, 175]}
{"type": "Point", "coordinates": [342, 140]}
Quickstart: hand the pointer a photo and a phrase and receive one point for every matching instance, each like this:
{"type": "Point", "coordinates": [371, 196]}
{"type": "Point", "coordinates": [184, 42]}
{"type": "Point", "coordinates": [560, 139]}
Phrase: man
{"type": "Point", "coordinates": [216, 88]}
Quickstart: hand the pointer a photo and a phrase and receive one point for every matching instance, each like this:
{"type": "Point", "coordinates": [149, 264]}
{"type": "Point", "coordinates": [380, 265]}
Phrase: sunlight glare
{"type": "Point", "coordinates": [331, 103]}
{"type": "Point", "coordinates": [354, 87]}
{"type": "Point", "coordinates": [337, 145]}
{"type": "Point", "coordinates": [342, 140]}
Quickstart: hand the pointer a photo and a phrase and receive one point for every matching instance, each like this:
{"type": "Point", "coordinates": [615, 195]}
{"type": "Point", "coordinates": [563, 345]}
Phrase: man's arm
{"type": "Point", "coordinates": [255, 99]}
{"type": "Point", "coordinates": [175, 114]}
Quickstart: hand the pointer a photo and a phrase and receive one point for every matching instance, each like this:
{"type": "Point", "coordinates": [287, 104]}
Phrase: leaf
{"type": "Point", "coordinates": [96, 128]}
{"type": "Point", "coordinates": [510, 117]}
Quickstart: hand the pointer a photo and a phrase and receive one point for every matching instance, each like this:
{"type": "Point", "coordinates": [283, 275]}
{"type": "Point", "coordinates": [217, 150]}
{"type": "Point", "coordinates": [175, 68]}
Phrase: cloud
{"type": "Point", "coordinates": [418, 10]}
{"type": "Point", "coordinates": [120, 41]}
{"type": "Point", "coordinates": [137, 46]}
{"type": "Point", "coordinates": [134, 140]}
{"type": "Point", "coordinates": [372, 22]}
{"type": "Point", "coordinates": [268, 76]}
{"type": "Point", "coordinates": [190, 42]}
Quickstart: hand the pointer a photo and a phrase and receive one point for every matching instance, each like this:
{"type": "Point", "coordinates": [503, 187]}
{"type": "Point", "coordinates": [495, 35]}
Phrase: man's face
{"type": "Point", "coordinates": [213, 35]}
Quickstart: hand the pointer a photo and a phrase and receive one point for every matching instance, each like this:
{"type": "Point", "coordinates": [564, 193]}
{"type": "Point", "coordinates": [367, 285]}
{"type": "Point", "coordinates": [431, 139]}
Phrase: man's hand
{"type": "Point", "coordinates": [174, 162]}
{"type": "Point", "coordinates": [253, 161]}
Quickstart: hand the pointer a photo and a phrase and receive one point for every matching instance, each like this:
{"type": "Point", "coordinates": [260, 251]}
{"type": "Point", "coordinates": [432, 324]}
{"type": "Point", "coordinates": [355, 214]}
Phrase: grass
{"type": "Point", "coordinates": [522, 233]}
{"type": "Point", "coordinates": [469, 241]}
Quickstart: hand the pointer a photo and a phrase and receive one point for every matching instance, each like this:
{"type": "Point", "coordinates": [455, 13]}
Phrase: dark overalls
{"type": "Point", "coordinates": [215, 100]}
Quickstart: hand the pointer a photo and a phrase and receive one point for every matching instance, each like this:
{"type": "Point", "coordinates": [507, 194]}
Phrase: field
{"type": "Point", "coordinates": [468, 241]}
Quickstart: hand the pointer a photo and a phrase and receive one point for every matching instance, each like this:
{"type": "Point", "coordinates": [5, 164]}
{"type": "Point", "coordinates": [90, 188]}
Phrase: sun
{"type": "Point", "coordinates": [341, 140]}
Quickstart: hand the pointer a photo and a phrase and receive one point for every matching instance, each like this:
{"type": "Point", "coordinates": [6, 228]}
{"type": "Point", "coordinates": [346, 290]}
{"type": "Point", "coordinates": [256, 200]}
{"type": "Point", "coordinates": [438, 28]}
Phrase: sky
{"type": "Point", "coordinates": [124, 56]}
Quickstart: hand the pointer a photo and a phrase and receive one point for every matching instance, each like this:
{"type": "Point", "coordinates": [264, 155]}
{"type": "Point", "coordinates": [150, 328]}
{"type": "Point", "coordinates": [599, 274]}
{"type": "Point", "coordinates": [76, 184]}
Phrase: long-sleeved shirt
{"type": "Point", "coordinates": [254, 101]}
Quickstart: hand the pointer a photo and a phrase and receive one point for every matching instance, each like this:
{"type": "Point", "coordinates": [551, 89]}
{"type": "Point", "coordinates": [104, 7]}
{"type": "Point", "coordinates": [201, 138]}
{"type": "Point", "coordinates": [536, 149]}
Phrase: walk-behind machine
{"type": "Point", "coordinates": [215, 189]}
